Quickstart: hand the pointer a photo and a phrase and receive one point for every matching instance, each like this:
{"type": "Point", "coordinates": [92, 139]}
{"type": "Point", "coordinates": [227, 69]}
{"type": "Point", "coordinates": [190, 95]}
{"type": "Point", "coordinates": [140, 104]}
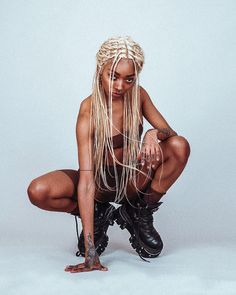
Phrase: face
{"type": "Point", "coordinates": [124, 78]}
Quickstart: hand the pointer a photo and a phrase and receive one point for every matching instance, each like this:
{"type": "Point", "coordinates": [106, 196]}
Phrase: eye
{"type": "Point", "coordinates": [130, 80]}
{"type": "Point", "coordinates": [110, 77]}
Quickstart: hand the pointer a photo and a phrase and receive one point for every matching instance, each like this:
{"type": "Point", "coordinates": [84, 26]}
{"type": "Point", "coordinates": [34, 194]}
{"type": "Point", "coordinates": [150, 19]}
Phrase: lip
{"type": "Point", "coordinates": [116, 94]}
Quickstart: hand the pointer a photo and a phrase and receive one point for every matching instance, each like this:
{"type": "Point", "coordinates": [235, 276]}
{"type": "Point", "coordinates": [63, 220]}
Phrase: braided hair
{"type": "Point", "coordinates": [113, 50]}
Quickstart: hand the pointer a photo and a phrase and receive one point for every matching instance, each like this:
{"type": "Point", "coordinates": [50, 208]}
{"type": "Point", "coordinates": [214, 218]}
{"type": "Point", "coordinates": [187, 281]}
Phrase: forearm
{"type": "Point", "coordinates": [86, 208]}
{"type": "Point", "coordinates": [164, 133]}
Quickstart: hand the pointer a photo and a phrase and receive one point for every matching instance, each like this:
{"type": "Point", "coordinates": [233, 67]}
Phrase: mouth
{"type": "Point", "coordinates": [116, 94]}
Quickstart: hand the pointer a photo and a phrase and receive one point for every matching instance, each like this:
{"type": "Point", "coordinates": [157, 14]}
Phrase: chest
{"type": "Point", "coordinates": [117, 120]}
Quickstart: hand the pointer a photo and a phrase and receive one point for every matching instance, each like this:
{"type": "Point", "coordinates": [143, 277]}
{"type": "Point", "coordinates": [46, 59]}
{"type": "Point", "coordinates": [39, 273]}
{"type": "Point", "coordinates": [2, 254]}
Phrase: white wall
{"type": "Point", "coordinates": [47, 61]}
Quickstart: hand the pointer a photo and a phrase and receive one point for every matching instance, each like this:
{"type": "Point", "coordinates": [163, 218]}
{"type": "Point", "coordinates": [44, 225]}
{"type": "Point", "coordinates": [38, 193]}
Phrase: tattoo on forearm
{"type": "Point", "coordinates": [165, 133]}
{"type": "Point", "coordinates": [92, 256]}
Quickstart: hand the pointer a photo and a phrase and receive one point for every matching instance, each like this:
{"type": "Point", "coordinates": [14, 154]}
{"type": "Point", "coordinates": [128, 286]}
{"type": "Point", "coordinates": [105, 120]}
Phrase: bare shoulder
{"type": "Point", "coordinates": [83, 118]}
{"type": "Point", "coordinates": [84, 137]}
{"type": "Point", "coordinates": [144, 98]}
{"type": "Point", "coordinates": [85, 106]}
{"type": "Point", "coordinates": [143, 94]}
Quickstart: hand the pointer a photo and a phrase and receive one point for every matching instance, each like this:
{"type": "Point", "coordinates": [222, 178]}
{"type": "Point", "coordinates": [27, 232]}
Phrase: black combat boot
{"type": "Point", "coordinates": [103, 217]}
{"type": "Point", "coordinates": [138, 220]}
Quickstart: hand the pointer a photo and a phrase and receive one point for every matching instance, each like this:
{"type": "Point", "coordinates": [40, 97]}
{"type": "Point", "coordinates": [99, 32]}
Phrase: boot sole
{"type": "Point", "coordinates": [124, 221]}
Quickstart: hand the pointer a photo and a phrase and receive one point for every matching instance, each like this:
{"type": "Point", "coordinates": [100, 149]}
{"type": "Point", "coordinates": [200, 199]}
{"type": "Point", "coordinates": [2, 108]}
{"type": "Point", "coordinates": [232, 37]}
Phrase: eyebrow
{"type": "Point", "coordinates": [119, 74]}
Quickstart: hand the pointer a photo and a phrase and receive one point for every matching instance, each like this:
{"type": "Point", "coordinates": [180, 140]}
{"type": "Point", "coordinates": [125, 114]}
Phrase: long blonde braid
{"type": "Point", "coordinates": [101, 118]}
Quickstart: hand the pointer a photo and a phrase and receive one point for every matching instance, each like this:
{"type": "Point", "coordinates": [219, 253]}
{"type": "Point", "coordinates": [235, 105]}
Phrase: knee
{"type": "Point", "coordinates": [37, 193]}
{"type": "Point", "coordinates": [180, 148]}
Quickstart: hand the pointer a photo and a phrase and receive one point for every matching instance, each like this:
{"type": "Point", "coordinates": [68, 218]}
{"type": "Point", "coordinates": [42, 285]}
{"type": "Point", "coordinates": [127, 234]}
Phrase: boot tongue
{"type": "Point", "coordinates": [145, 213]}
{"type": "Point", "coordinates": [146, 216]}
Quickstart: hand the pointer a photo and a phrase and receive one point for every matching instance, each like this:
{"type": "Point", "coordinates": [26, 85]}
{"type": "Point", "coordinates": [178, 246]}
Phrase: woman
{"type": "Point", "coordinates": [114, 165]}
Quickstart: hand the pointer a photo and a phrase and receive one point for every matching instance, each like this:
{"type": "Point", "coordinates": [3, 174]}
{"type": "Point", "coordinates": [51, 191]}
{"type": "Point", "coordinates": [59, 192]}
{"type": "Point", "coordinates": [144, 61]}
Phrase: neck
{"type": "Point", "coordinates": [116, 103]}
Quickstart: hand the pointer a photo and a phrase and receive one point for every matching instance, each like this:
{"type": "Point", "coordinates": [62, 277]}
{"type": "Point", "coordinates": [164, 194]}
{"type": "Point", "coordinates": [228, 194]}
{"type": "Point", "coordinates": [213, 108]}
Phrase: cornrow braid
{"type": "Point", "coordinates": [126, 48]}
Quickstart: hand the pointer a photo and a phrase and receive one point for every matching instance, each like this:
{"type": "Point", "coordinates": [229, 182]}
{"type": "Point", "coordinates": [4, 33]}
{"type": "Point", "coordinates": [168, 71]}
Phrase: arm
{"type": "Point", "coordinates": [86, 191]}
{"type": "Point", "coordinates": [86, 184]}
{"type": "Point", "coordinates": [154, 117]}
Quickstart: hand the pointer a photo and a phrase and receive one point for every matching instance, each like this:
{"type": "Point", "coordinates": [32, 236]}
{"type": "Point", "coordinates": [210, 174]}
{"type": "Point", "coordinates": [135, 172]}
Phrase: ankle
{"type": "Point", "coordinates": [152, 197]}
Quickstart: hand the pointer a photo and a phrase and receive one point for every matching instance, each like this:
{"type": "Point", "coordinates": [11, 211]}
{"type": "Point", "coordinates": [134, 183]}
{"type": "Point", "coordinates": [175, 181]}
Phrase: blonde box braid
{"type": "Point", "coordinates": [114, 49]}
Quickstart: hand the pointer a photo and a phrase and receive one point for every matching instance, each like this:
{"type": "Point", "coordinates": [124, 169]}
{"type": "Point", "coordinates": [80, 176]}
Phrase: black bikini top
{"type": "Point", "coordinates": [118, 140]}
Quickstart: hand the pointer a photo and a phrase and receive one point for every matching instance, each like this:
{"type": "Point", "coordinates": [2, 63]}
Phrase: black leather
{"type": "Point", "coordinates": [138, 220]}
{"type": "Point", "coordinates": [103, 217]}
{"type": "Point", "coordinates": [142, 219]}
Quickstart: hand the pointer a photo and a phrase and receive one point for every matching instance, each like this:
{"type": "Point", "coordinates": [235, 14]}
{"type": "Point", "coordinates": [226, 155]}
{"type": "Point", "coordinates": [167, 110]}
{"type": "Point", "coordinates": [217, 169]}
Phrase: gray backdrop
{"type": "Point", "coordinates": [47, 62]}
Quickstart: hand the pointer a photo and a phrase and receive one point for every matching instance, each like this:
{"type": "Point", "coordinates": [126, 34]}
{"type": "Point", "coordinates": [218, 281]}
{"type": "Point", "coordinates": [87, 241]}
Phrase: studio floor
{"type": "Point", "coordinates": [34, 264]}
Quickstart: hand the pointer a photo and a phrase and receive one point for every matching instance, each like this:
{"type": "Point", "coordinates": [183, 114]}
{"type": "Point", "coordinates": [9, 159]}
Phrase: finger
{"type": "Point", "coordinates": [157, 153]}
{"type": "Point", "coordinates": [70, 267]}
{"type": "Point", "coordinates": [75, 265]}
{"type": "Point", "coordinates": [153, 153]}
{"type": "Point", "coordinates": [153, 157]}
{"type": "Point", "coordinates": [80, 269]}
{"type": "Point", "coordinates": [142, 157]}
{"type": "Point", "coordinates": [86, 269]}
{"type": "Point", "coordinates": [100, 267]}
{"type": "Point", "coordinates": [74, 269]}
{"type": "Point", "coordinates": [103, 268]}
{"type": "Point", "coordinates": [148, 155]}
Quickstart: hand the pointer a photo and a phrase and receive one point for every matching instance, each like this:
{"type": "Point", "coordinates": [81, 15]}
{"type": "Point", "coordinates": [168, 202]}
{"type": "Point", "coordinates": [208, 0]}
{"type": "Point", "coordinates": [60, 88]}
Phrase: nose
{"type": "Point", "coordinates": [119, 85]}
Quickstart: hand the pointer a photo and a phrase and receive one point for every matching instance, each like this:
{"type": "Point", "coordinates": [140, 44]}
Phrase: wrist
{"type": "Point", "coordinates": [151, 129]}
{"type": "Point", "coordinates": [153, 132]}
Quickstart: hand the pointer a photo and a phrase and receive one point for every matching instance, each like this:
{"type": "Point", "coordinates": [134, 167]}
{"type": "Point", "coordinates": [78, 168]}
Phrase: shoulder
{"type": "Point", "coordinates": [143, 93]}
{"type": "Point", "coordinates": [144, 96]}
{"type": "Point", "coordinates": [83, 118]}
{"type": "Point", "coordinates": [85, 105]}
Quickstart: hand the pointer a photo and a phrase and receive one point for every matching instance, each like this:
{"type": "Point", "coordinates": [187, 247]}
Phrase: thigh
{"type": "Point", "coordinates": [57, 184]}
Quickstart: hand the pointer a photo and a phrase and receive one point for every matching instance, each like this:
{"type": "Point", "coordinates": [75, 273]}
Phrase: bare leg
{"type": "Point", "coordinates": [176, 151]}
{"type": "Point", "coordinates": [55, 191]}
{"type": "Point", "coordinates": [138, 219]}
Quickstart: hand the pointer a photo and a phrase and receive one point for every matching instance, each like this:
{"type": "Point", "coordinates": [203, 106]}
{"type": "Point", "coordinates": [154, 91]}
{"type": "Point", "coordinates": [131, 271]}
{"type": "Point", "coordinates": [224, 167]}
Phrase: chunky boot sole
{"type": "Point", "coordinates": [101, 243]}
{"type": "Point", "coordinates": [124, 221]}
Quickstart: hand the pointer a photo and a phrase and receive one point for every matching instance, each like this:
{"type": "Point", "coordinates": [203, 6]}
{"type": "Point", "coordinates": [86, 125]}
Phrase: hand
{"type": "Point", "coordinates": [85, 267]}
{"type": "Point", "coordinates": [150, 150]}
{"type": "Point", "coordinates": [92, 261]}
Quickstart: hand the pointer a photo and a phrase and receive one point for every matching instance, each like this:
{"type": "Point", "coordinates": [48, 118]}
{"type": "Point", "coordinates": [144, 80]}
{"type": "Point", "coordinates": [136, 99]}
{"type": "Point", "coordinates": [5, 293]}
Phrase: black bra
{"type": "Point", "coordinates": [118, 141]}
